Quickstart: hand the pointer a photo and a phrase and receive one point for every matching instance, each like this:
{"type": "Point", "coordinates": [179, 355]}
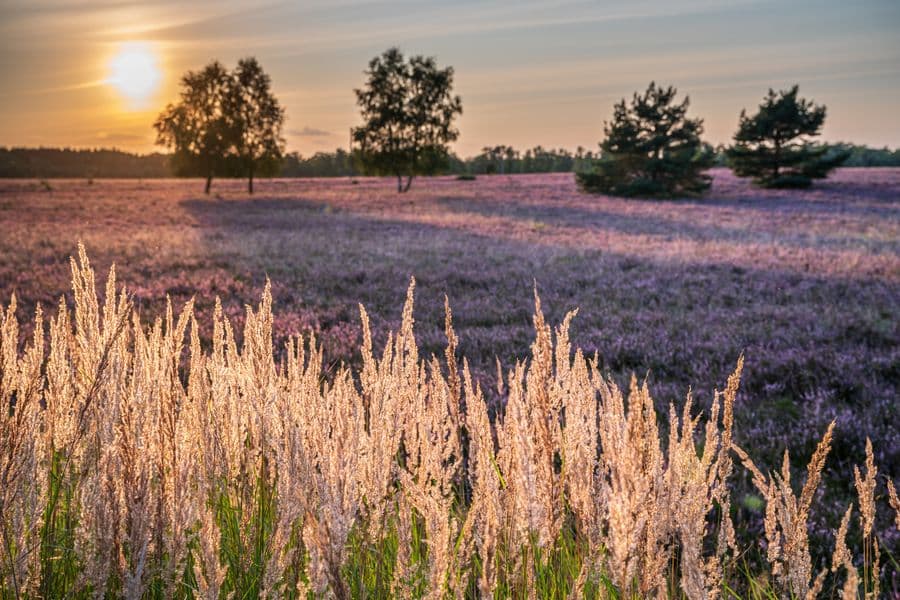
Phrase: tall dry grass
{"type": "Point", "coordinates": [136, 461]}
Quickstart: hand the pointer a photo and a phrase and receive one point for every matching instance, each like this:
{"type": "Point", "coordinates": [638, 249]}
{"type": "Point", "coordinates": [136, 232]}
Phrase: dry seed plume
{"type": "Point", "coordinates": [786, 519]}
{"type": "Point", "coordinates": [895, 502]}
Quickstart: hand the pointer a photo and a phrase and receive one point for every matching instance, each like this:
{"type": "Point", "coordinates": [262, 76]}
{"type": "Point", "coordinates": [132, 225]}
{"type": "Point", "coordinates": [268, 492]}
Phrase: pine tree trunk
{"type": "Point", "coordinates": [777, 159]}
{"type": "Point", "coordinates": [408, 183]}
{"type": "Point", "coordinates": [208, 183]}
{"type": "Point", "coordinates": [250, 183]}
{"type": "Point", "coordinates": [399, 184]}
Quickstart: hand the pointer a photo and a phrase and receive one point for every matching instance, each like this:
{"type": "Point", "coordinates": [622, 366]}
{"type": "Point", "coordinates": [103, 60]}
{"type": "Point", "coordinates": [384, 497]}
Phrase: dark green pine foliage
{"type": "Point", "coordinates": [651, 150]}
{"type": "Point", "coordinates": [773, 148]}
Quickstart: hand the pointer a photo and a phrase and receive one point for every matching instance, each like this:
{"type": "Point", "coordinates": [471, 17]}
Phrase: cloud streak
{"type": "Point", "coordinates": [309, 132]}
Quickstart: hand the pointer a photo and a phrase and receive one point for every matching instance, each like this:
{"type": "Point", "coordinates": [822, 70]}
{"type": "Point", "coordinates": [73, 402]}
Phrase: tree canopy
{"type": "Point", "coordinates": [197, 129]}
{"type": "Point", "coordinates": [773, 145]}
{"type": "Point", "coordinates": [408, 110]}
{"type": "Point", "coordinates": [651, 149]}
{"type": "Point", "coordinates": [226, 122]}
{"type": "Point", "coordinates": [257, 119]}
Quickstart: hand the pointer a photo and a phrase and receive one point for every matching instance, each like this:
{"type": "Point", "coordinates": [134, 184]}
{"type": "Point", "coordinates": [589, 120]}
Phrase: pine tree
{"type": "Point", "coordinates": [651, 150]}
{"type": "Point", "coordinates": [773, 147]}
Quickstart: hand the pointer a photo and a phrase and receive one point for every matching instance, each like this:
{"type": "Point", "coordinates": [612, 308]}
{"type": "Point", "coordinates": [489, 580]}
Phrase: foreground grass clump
{"type": "Point", "coordinates": [135, 462]}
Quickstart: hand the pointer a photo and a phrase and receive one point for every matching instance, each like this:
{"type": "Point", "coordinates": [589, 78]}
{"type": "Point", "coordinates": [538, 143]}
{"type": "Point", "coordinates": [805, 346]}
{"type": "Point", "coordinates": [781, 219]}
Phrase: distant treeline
{"type": "Point", "coordinates": [506, 159]}
{"type": "Point", "coordinates": [66, 162]}
{"type": "Point", "coordinates": [860, 156]}
{"type": "Point", "coordinates": [864, 156]}
{"type": "Point", "coordinates": [499, 160]}
{"type": "Point", "coordinates": [321, 164]}
{"type": "Point", "coordinates": [102, 163]}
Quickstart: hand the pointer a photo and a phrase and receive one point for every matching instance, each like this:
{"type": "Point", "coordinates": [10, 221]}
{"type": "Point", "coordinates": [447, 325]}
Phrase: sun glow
{"type": "Point", "coordinates": [134, 72]}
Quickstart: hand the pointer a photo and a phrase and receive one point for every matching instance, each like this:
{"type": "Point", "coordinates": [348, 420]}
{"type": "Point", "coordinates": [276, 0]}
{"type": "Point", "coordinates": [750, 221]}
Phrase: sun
{"type": "Point", "coordinates": [134, 72]}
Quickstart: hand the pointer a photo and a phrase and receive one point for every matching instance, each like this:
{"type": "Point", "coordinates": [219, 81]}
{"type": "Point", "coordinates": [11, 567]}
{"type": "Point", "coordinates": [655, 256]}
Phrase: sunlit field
{"type": "Point", "coordinates": [804, 284]}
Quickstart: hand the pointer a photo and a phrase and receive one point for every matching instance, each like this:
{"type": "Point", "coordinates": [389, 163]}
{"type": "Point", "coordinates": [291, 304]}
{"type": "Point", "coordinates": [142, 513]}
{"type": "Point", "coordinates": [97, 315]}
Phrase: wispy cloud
{"type": "Point", "coordinates": [125, 138]}
{"type": "Point", "coordinates": [55, 90]}
{"type": "Point", "coordinates": [309, 132]}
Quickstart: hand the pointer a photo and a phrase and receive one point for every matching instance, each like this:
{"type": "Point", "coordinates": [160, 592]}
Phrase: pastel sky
{"type": "Point", "coordinates": [529, 72]}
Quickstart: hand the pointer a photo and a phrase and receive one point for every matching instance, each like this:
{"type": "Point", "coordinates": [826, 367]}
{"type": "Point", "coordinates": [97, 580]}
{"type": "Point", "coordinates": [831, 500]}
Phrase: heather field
{"type": "Point", "coordinates": [805, 284]}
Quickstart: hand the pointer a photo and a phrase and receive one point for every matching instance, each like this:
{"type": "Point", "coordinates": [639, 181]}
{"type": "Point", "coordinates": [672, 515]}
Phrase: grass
{"type": "Point", "coordinates": [135, 467]}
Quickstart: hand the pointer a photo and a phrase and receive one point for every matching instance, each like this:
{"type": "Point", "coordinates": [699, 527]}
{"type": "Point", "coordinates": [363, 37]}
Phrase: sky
{"type": "Point", "coordinates": [95, 74]}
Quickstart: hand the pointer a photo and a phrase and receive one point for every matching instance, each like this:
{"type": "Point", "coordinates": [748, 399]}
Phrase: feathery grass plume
{"type": "Point", "coordinates": [453, 380]}
{"type": "Point", "coordinates": [843, 558]}
{"type": "Point", "coordinates": [786, 519]}
{"type": "Point", "coordinates": [237, 397]}
{"type": "Point", "coordinates": [632, 482]}
{"type": "Point", "coordinates": [530, 442]}
{"type": "Point", "coordinates": [462, 549]}
{"type": "Point", "coordinates": [133, 528]}
{"type": "Point", "coordinates": [133, 473]}
{"type": "Point", "coordinates": [895, 502]}
{"type": "Point", "coordinates": [22, 484]}
{"type": "Point", "coordinates": [384, 386]}
{"type": "Point", "coordinates": [580, 462]}
{"type": "Point", "coordinates": [431, 463]}
{"type": "Point", "coordinates": [581, 468]}
{"type": "Point", "coordinates": [865, 490]}
{"type": "Point", "coordinates": [697, 483]}
{"type": "Point", "coordinates": [209, 572]}
{"type": "Point", "coordinates": [84, 537]}
{"type": "Point", "coordinates": [526, 461]}
{"type": "Point", "coordinates": [176, 466]}
{"type": "Point", "coordinates": [334, 432]}
{"type": "Point", "coordinates": [691, 483]}
{"type": "Point", "coordinates": [302, 371]}
{"type": "Point", "coordinates": [205, 443]}
{"type": "Point", "coordinates": [515, 471]}
{"type": "Point", "coordinates": [486, 511]}
{"type": "Point", "coordinates": [545, 407]}
{"type": "Point", "coordinates": [726, 537]}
